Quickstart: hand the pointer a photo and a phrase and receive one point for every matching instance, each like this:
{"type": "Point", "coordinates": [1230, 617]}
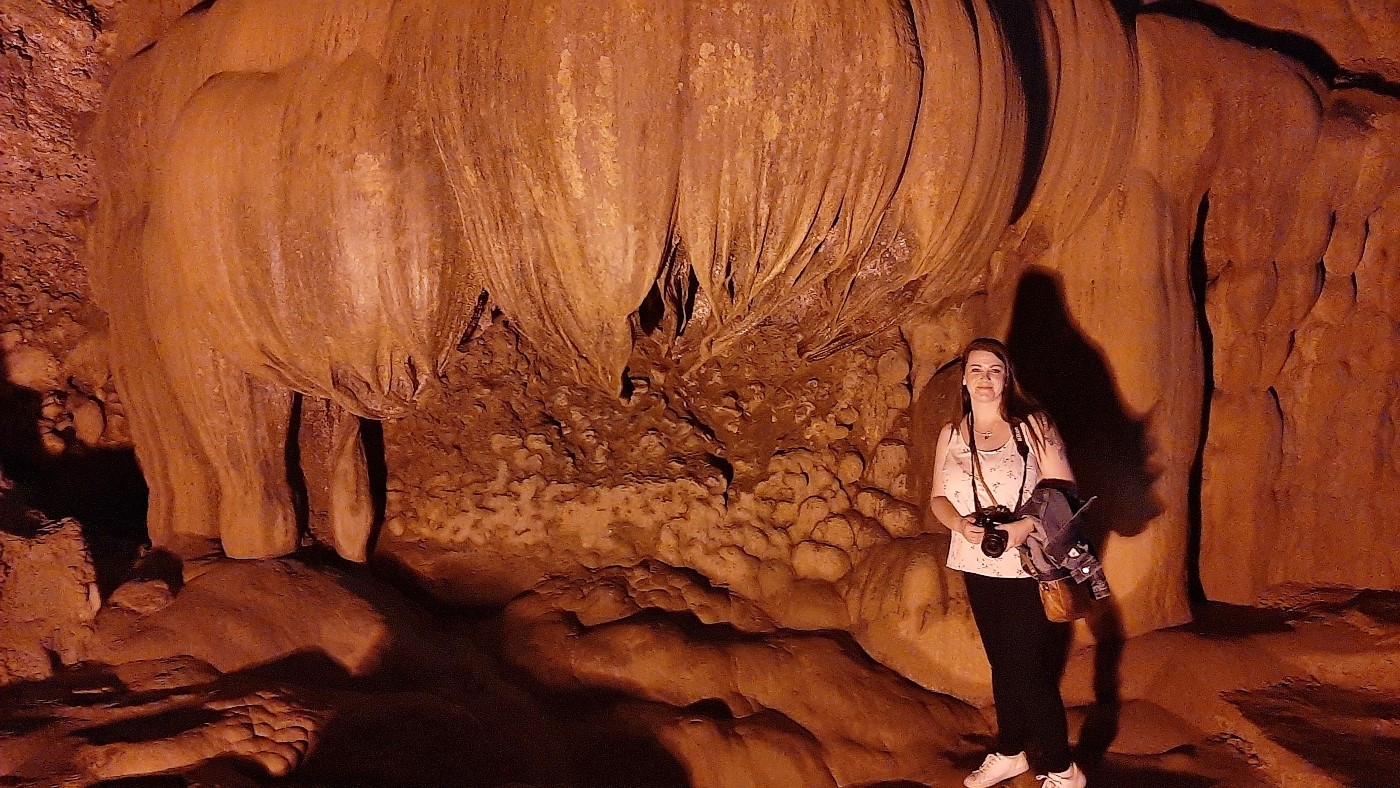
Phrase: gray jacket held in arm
{"type": "Point", "coordinates": [1058, 547]}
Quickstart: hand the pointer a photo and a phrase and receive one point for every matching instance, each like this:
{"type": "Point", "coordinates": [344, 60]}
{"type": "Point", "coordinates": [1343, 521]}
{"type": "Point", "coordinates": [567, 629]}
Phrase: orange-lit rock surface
{"type": "Point", "coordinates": [631, 677]}
{"type": "Point", "coordinates": [535, 173]}
{"type": "Point", "coordinates": [1298, 277]}
{"type": "Point", "coordinates": [48, 598]}
{"type": "Point", "coordinates": [659, 301]}
{"type": "Point", "coordinates": [1360, 37]}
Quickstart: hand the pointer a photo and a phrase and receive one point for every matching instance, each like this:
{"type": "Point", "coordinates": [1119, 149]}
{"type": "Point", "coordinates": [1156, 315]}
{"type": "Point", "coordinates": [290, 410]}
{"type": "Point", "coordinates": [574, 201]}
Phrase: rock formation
{"type": "Point", "coordinates": [362, 687]}
{"type": "Point", "coordinates": [48, 599]}
{"type": "Point", "coordinates": [656, 306]}
{"type": "Point", "coordinates": [542, 171]}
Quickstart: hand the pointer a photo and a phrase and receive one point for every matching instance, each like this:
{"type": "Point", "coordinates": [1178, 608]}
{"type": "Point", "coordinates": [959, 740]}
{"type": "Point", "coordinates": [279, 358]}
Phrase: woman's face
{"type": "Point", "coordinates": [984, 376]}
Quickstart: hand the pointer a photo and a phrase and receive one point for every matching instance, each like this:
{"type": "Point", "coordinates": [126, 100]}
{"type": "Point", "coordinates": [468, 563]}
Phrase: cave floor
{"type": "Point", "coordinates": [1209, 704]}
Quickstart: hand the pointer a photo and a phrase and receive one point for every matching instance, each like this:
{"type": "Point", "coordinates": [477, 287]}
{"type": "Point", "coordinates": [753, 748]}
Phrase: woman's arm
{"type": "Point", "coordinates": [1054, 462]}
{"type": "Point", "coordinates": [939, 505]}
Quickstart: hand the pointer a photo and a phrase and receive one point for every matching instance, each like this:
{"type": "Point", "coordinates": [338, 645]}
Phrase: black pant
{"type": "Point", "coordinates": [1026, 651]}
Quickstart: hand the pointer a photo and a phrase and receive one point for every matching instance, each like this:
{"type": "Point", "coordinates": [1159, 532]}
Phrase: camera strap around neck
{"type": "Point", "coordinates": [1021, 448]}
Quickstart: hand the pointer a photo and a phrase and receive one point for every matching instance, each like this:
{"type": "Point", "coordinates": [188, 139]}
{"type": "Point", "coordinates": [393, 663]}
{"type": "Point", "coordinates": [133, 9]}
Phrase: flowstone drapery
{"type": "Point", "coordinates": [674, 283]}
{"type": "Point", "coordinates": [314, 198]}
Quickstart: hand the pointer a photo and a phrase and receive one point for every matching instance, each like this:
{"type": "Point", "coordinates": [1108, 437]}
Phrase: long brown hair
{"type": "Point", "coordinates": [1017, 407]}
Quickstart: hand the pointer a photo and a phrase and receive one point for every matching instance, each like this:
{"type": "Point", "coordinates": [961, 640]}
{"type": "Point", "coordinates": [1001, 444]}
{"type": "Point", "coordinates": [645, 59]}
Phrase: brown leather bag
{"type": "Point", "coordinates": [1065, 600]}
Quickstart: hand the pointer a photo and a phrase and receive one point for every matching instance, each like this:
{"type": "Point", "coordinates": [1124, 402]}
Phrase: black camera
{"type": "Point", "coordinates": [994, 539]}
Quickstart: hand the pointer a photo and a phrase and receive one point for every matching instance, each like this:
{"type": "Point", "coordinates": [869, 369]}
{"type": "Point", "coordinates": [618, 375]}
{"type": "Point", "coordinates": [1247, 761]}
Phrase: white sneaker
{"type": "Point", "coordinates": [1069, 778]}
{"type": "Point", "coordinates": [997, 767]}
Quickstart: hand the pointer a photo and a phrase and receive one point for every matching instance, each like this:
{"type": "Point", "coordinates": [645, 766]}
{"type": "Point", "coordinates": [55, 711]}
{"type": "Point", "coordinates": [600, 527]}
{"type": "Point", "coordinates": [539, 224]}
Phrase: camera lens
{"type": "Point", "coordinates": [994, 542]}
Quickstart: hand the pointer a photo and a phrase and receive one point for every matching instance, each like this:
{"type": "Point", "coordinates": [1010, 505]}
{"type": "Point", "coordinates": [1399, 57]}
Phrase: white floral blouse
{"type": "Point", "coordinates": [1001, 471]}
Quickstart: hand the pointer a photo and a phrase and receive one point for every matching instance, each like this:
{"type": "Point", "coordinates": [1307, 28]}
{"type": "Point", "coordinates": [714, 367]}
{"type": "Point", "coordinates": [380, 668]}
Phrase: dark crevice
{"type": "Point", "coordinates": [692, 289]}
{"type": "Point", "coordinates": [725, 467]}
{"type": "Point", "coordinates": [99, 486]}
{"type": "Point", "coordinates": [1018, 22]}
{"type": "Point", "coordinates": [1278, 405]}
{"type": "Point", "coordinates": [296, 479]}
{"type": "Point", "coordinates": [678, 284]}
{"type": "Point", "coordinates": [1365, 240]}
{"type": "Point", "coordinates": [1199, 291]}
{"type": "Point", "coordinates": [200, 7]}
{"type": "Point", "coordinates": [372, 439]}
{"type": "Point", "coordinates": [164, 725]}
{"type": "Point", "coordinates": [700, 426]}
{"type": "Point", "coordinates": [474, 322]}
{"type": "Point", "coordinates": [651, 310]}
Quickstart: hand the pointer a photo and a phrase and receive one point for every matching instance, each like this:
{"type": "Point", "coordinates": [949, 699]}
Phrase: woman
{"type": "Point", "coordinates": [1017, 446]}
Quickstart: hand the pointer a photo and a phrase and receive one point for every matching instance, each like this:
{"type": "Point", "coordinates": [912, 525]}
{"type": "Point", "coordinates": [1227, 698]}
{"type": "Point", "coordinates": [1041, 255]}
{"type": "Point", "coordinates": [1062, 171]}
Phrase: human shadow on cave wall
{"type": "Point", "coordinates": [101, 488]}
{"type": "Point", "coordinates": [1108, 450]}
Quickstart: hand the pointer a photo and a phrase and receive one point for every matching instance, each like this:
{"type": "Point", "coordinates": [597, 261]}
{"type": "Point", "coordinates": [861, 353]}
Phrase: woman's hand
{"type": "Point", "coordinates": [1017, 531]}
{"type": "Point", "coordinates": [971, 531]}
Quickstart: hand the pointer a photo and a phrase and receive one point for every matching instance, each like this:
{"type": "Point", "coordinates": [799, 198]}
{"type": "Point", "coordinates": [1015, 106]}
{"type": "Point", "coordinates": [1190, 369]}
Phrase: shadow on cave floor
{"type": "Point", "coordinates": [455, 717]}
{"type": "Point", "coordinates": [1228, 621]}
{"type": "Point", "coordinates": [413, 722]}
{"type": "Point", "coordinates": [1349, 733]}
{"type": "Point", "coordinates": [1233, 622]}
{"type": "Point", "coordinates": [445, 708]}
{"type": "Point", "coordinates": [1212, 765]}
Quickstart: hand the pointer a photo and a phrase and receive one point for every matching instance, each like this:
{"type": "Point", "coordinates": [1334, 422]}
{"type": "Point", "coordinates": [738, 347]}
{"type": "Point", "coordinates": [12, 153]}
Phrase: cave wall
{"type": "Point", "coordinates": [1297, 270]}
{"type": "Point", "coordinates": [52, 75]}
{"type": "Point", "coordinates": [1212, 229]}
{"type": "Point", "coordinates": [1296, 287]}
{"type": "Point", "coordinates": [1306, 395]}
{"type": "Point", "coordinates": [1354, 39]}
